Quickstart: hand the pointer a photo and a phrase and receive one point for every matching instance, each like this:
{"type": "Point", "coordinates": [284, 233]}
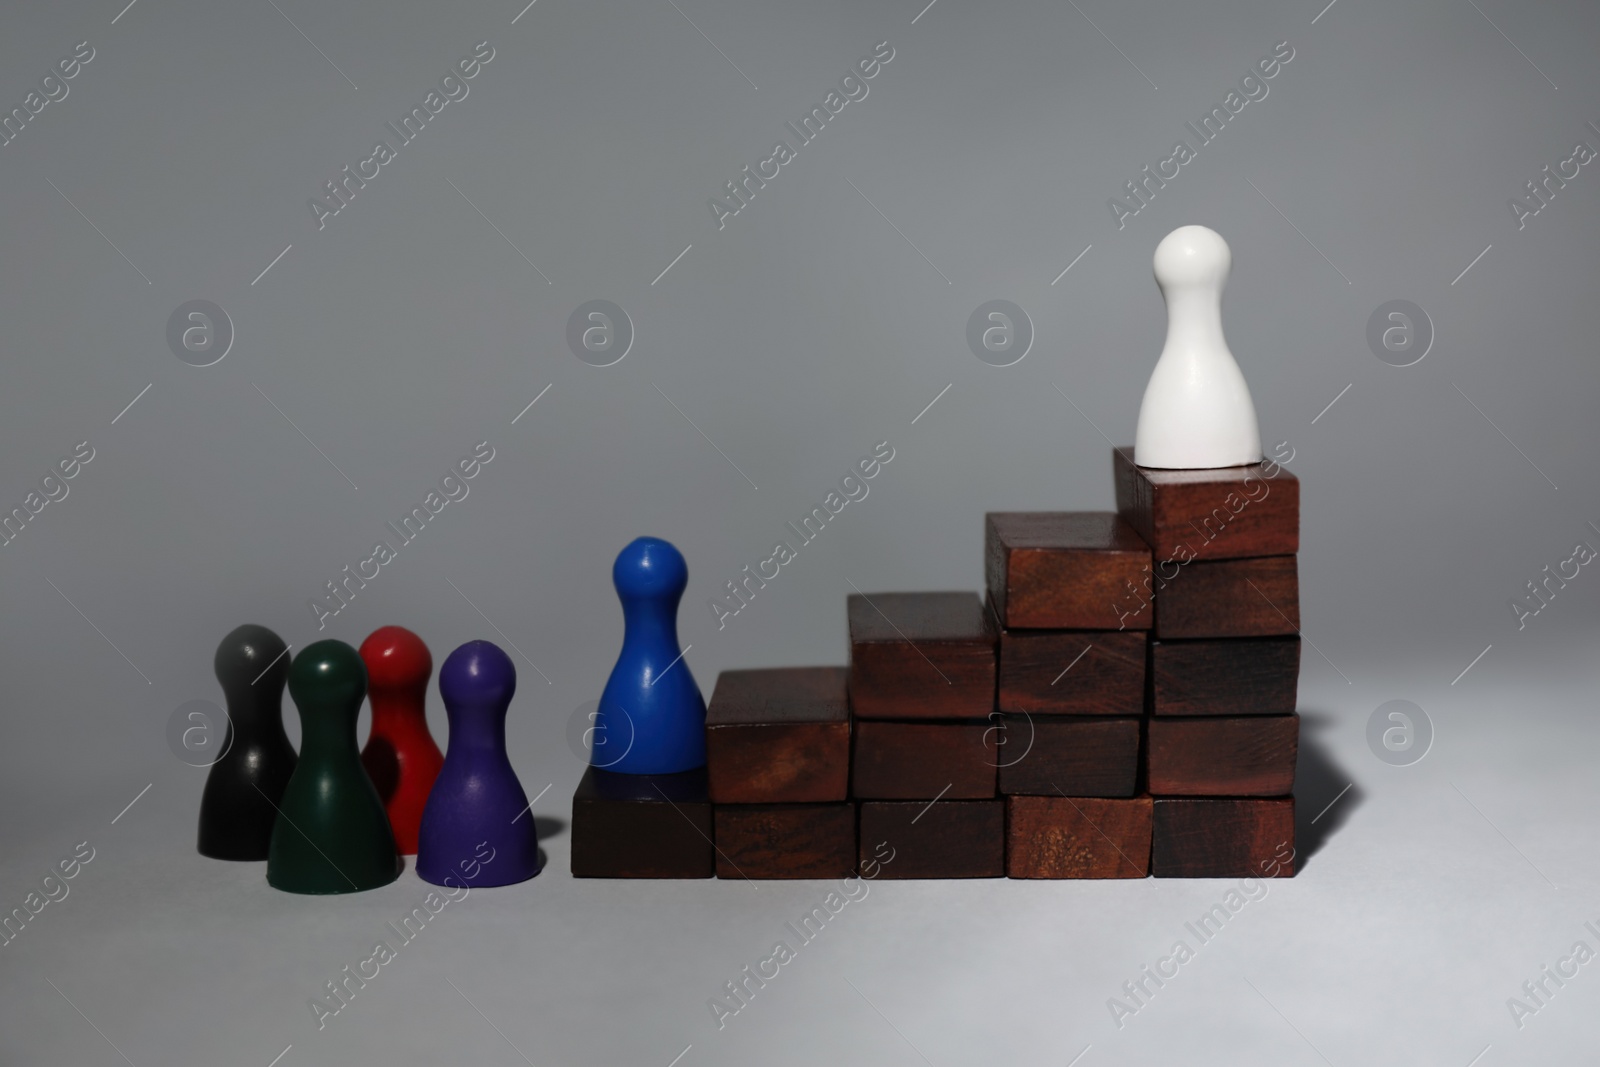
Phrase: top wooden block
{"type": "Point", "coordinates": [921, 656]}
{"type": "Point", "coordinates": [1226, 513]}
{"type": "Point", "coordinates": [1061, 570]}
{"type": "Point", "coordinates": [779, 735]}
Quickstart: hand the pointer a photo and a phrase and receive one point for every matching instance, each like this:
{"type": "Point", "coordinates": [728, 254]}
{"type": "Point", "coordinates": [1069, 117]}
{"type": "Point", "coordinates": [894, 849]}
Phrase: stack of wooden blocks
{"type": "Point", "coordinates": [1121, 705]}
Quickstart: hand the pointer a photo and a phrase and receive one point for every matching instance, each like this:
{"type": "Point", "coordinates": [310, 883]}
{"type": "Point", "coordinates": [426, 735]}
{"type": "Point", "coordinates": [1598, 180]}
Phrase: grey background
{"type": "Point", "coordinates": [822, 319]}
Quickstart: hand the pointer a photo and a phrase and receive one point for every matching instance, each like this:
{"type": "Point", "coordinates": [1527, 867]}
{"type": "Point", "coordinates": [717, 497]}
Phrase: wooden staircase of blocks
{"type": "Point", "coordinates": [1121, 704]}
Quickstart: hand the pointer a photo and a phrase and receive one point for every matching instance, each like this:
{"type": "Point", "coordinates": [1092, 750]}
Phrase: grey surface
{"type": "Point", "coordinates": [822, 319]}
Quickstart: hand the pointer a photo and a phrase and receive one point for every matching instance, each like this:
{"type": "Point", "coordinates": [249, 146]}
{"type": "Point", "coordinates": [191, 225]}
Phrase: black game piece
{"type": "Point", "coordinates": [238, 806]}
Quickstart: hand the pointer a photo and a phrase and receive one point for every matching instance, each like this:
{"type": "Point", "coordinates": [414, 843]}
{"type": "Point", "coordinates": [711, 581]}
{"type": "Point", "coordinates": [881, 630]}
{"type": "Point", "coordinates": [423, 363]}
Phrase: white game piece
{"type": "Point", "coordinates": [1197, 412]}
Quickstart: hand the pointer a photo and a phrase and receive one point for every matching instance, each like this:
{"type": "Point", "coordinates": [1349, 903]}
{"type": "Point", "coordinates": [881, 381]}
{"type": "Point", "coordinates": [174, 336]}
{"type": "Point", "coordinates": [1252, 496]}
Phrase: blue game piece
{"type": "Point", "coordinates": [476, 828]}
{"type": "Point", "coordinates": [652, 717]}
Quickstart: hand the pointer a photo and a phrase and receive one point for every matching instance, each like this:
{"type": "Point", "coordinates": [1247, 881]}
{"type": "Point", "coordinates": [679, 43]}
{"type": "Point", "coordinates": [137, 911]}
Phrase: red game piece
{"type": "Point", "coordinates": [401, 757]}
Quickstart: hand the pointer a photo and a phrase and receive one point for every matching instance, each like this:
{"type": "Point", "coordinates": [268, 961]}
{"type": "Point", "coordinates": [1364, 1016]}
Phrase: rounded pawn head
{"type": "Point", "coordinates": [396, 659]}
{"type": "Point", "coordinates": [478, 674]}
{"type": "Point", "coordinates": [1192, 256]}
{"type": "Point", "coordinates": [328, 673]}
{"type": "Point", "coordinates": [250, 653]}
{"type": "Point", "coordinates": [650, 567]}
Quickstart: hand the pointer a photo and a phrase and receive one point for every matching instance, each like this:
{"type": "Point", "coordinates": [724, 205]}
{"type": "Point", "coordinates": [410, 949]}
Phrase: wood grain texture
{"type": "Point", "coordinates": [1093, 757]}
{"type": "Point", "coordinates": [1072, 672]}
{"type": "Point", "coordinates": [1234, 676]}
{"type": "Point", "coordinates": [1214, 838]}
{"type": "Point", "coordinates": [779, 736]}
{"type": "Point", "coordinates": [1224, 513]}
{"type": "Point", "coordinates": [785, 840]}
{"type": "Point", "coordinates": [947, 839]}
{"type": "Point", "coordinates": [1230, 598]}
{"type": "Point", "coordinates": [1247, 756]}
{"type": "Point", "coordinates": [921, 656]}
{"type": "Point", "coordinates": [920, 761]}
{"type": "Point", "coordinates": [1060, 569]}
{"type": "Point", "coordinates": [1077, 837]}
{"type": "Point", "coordinates": [641, 826]}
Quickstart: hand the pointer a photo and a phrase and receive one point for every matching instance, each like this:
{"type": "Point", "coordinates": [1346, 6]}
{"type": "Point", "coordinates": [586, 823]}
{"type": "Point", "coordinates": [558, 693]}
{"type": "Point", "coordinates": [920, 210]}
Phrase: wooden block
{"type": "Point", "coordinates": [779, 736]}
{"type": "Point", "coordinates": [1248, 756]}
{"type": "Point", "coordinates": [1210, 838]}
{"type": "Point", "coordinates": [1241, 676]}
{"type": "Point", "coordinates": [785, 840]}
{"type": "Point", "coordinates": [1224, 513]}
{"type": "Point", "coordinates": [921, 656]}
{"type": "Point", "coordinates": [1072, 672]}
{"type": "Point", "coordinates": [1230, 598]}
{"type": "Point", "coordinates": [920, 761]}
{"type": "Point", "coordinates": [641, 826]}
{"type": "Point", "coordinates": [944, 839]}
{"type": "Point", "coordinates": [1094, 757]}
{"type": "Point", "coordinates": [1077, 837]}
{"type": "Point", "coordinates": [1061, 569]}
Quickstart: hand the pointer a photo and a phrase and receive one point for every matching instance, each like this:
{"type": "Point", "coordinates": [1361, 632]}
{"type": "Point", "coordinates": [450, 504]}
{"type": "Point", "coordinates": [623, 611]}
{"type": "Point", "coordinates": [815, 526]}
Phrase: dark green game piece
{"type": "Point", "coordinates": [332, 835]}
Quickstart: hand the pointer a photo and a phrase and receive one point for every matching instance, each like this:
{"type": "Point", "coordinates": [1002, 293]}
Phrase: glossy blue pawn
{"type": "Point", "coordinates": [652, 717]}
{"type": "Point", "coordinates": [476, 829]}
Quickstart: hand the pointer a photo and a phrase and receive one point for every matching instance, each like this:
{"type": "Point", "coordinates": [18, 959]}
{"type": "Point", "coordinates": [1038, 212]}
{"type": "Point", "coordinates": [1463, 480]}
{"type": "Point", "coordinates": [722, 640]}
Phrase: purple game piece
{"type": "Point", "coordinates": [476, 828]}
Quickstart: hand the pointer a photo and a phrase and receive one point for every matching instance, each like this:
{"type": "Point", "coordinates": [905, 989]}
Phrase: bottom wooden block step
{"type": "Point", "coordinates": [938, 839]}
{"type": "Point", "coordinates": [785, 840]}
{"type": "Point", "coordinates": [1206, 837]}
{"type": "Point", "coordinates": [641, 826]}
{"type": "Point", "coordinates": [1077, 837]}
